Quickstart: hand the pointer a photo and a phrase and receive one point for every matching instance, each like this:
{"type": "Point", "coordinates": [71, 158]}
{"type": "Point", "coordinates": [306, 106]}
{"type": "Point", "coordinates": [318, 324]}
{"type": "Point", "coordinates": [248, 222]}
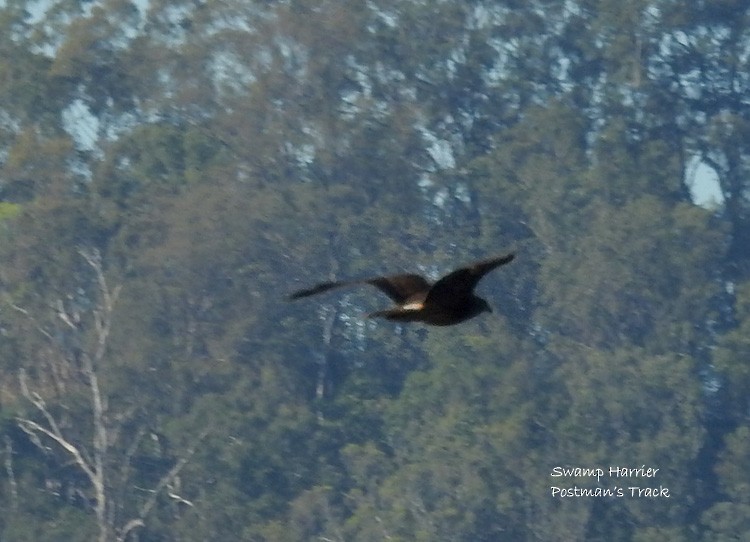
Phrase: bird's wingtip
{"type": "Point", "coordinates": [314, 290]}
{"type": "Point", "coordinates": [299, 294]}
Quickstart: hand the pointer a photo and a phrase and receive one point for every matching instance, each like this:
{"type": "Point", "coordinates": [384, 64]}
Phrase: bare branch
{"type": "Point", "coordinates": [131, 450]}
{"type": "Point", "coordinates": [172, 494]}
{"type": "Point", "coordinates": [174, 471]}
{"type": "Point", "coordinates": [10, 473]}
{"type": "Point", "coordinates": [164, 482]}
{"type": "Point", "coordinates": [32, 319]}
{"type": "Point", "coordinates": [40, 404]}
{"type": "Point", "coordinates": [64, 316]}
{"type": "Point", "coordinates": [129, 526]}
{"type": "Point", "coordinates": [93, 467]}
{"type": "Point", "coordinates": [95, 463]}
{"type": "Point", "coordinates": [31, 426]}
{"type": "Point", "coordinates": [103, 313]}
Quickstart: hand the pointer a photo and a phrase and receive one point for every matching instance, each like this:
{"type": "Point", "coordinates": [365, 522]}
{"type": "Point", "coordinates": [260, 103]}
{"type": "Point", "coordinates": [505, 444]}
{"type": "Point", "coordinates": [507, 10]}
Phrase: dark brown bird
{"type": "Point", "coordinates": [451, 300]}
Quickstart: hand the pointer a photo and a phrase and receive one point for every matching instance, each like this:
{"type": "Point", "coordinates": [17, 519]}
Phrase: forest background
{"type": "Point", "coordinates": [170, 170]}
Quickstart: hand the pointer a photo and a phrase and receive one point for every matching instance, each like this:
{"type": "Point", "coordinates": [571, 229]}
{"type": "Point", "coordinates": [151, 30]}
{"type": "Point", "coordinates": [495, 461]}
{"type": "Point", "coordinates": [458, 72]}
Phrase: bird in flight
{"type": "Point", "coordinates": [451, 300]}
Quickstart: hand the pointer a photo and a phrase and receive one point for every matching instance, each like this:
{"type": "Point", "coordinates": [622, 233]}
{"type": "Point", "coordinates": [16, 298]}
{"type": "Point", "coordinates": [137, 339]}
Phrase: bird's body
{"type": "Point", "coordinates": [451, 300]}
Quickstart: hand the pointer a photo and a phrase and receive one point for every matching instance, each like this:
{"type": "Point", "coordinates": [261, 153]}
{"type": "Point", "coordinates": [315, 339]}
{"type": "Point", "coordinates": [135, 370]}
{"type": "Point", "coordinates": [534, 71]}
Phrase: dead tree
{"type": "Point", "coordinates": [98, 459]}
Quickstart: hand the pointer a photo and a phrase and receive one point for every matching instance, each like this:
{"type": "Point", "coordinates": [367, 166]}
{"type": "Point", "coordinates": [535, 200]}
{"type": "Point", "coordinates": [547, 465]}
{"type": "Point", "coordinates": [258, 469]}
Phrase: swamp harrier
{"type": "Point", "coordinates": [451, 300]}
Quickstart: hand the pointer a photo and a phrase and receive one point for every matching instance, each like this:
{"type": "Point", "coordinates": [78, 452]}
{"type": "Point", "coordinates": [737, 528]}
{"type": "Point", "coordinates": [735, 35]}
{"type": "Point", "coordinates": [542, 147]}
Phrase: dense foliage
{"type": "Point", "coordinates": [170, 170]}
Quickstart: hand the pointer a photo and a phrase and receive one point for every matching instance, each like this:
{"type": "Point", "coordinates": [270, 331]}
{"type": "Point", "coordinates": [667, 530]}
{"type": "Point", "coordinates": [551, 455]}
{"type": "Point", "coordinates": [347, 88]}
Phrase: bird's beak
{"type": "Point", "coordinates": [489, 309]}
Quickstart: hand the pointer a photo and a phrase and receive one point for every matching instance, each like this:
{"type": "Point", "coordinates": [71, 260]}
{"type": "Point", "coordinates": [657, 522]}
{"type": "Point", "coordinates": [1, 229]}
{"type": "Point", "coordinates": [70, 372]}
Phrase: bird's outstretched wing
{"type": "Point", "coordinates": [401, 287]}
{"type": "Point", "coordinates": [456, 286]}
{"type": "Point", "coordinates": [398, 287]}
